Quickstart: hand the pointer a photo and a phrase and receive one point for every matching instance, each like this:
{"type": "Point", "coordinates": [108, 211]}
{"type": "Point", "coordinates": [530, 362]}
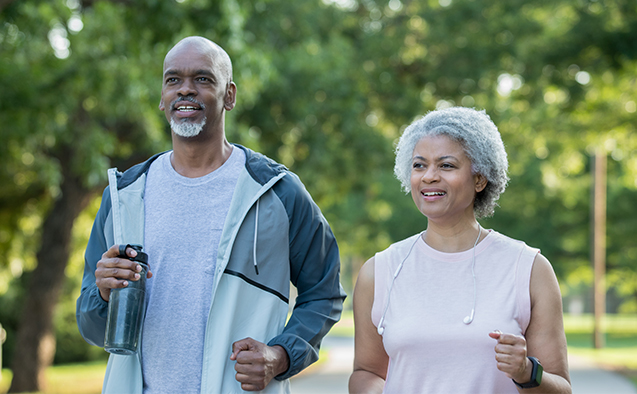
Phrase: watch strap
{"type": "Point", "coordinates": [536, 375]}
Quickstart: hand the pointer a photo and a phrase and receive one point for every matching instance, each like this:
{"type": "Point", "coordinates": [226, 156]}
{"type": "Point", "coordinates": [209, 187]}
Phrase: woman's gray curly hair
{"type": "Point", "coordinates": [480, 140]}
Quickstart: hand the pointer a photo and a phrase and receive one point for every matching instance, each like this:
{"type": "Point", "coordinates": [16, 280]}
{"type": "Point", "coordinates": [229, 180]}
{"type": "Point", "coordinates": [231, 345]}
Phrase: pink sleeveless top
{"type": "Point", "coordinates": [431, 350]}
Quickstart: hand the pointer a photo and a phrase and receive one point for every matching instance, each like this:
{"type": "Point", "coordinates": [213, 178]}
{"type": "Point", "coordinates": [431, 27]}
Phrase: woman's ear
{"type": "Point", "coordinates": [481, 182]}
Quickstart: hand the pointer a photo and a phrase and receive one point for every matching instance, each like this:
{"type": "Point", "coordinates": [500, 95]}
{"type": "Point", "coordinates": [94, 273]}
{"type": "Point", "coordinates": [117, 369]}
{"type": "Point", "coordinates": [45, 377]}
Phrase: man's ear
{"type": "Point", "coordinates": [162, 107]}
{"type": "Point", "coordinates": [230, 98]}
{"type": "Point", "coordinates": [481, 182]}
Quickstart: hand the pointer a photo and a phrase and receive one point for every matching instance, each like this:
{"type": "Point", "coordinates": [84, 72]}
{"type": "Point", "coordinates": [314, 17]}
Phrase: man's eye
{"type": "Point", "coordinates": [171, 80]}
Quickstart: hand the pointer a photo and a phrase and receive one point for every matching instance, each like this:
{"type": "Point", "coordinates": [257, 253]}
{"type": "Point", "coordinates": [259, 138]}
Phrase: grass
{"type": "Point", "coordinates": [5, 380]}
{"type": "Point", "coordinates": [84, 378]}
{"type": "Point", "coordinates": [87, 378]}
{"type": "Point", "coordinates": [620, 353]}
{"type": "Point", "coordinates": [620, 350]}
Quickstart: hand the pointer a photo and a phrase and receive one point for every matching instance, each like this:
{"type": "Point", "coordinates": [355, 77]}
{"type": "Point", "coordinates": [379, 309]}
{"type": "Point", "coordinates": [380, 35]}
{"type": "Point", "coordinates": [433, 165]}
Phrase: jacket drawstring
{"type": "Point", "coordinates": [254, 247]}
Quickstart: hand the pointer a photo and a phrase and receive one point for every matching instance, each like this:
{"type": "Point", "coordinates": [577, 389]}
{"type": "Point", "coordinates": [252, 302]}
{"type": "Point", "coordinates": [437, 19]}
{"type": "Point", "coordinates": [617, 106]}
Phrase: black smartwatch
{"type": "Point", "coordinates": [536, 375]}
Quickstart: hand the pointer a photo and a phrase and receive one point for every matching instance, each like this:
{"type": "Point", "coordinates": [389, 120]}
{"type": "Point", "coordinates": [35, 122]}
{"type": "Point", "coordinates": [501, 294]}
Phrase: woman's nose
{"type": "Point", "coordinates": [430, 175]}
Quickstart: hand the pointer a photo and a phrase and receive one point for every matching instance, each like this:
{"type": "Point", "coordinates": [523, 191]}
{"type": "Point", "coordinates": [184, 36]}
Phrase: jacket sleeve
{"type": "Point", "coordinates": [315, 271]}
{"type": "Point", "coordinates": [91, 309]}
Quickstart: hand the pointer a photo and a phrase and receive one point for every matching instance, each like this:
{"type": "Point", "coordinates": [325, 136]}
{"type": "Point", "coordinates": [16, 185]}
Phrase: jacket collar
{"type": "Point", "coordinates": [260, 167]}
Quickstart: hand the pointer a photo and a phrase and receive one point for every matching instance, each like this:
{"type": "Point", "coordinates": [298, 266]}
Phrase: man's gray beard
{"type": "Point", "coordinates": [187, 129]}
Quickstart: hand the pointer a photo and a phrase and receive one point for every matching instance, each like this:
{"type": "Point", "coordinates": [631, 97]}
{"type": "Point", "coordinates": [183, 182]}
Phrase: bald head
{"type": "Point", "coordinates": [204, 46]}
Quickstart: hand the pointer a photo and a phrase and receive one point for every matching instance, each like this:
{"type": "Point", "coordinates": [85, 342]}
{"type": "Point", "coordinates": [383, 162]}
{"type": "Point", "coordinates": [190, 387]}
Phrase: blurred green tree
{"type": "Point", "coordinates": [60, 136]}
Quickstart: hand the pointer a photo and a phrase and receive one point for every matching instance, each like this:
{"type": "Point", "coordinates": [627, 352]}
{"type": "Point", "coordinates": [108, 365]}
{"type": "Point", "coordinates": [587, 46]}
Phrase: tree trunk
{"type": "Point", "coordinates": [5, 3]}
{"type": "Point", "coordinates": [35, 339]}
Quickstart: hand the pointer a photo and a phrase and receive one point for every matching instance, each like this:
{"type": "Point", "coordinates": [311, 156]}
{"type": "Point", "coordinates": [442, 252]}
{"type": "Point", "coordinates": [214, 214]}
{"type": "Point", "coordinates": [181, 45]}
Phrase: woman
{"type": "Point", "coordinates": [457, 308]}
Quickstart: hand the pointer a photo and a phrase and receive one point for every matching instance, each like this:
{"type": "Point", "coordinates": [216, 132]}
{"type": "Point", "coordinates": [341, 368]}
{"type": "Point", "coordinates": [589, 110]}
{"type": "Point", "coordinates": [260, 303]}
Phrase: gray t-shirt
{"type": "Point", "coordinates": [184, 218]}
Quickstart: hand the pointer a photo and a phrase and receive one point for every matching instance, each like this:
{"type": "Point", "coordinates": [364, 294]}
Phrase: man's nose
{"type": "Point", "coordinates": [187, 88]}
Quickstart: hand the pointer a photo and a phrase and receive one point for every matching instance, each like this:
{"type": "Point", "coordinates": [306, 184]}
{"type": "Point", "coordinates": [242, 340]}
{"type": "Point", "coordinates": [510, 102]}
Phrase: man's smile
{"type": "Point", "coordinates": [187, 106]}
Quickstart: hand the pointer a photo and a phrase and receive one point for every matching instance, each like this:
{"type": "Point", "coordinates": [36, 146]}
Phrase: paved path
{"type": "Point", "coordinates": [332, 375]}
{"type": "Point", "coordinates": [587, 378]}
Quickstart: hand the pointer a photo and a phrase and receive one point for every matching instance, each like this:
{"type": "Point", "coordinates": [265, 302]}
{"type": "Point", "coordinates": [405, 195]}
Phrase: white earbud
{"type": "Point", "coordinates": [381, 330]}
{"type": "Point", "coordinates": [467, 320]}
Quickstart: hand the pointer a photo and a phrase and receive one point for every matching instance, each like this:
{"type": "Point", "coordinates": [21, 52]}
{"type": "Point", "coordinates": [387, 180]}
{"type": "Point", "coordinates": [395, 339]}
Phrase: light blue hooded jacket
{"type": "Point", "coordinates": [274, 234]}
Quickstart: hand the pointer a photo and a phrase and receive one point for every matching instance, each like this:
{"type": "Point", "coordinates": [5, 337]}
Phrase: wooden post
{"type": "Point", "coordinates": [3, 337]}
{"type": "Point", "coordinates": [599, 245]}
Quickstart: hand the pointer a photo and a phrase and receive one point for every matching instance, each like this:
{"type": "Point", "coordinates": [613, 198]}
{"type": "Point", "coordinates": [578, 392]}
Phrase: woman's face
{"type": "Point", "coordinates": [442, 184]}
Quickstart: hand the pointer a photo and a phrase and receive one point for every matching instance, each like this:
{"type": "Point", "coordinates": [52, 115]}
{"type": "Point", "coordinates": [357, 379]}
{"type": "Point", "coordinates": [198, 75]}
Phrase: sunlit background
{"type": "Point", "coordinates": [326, 88]}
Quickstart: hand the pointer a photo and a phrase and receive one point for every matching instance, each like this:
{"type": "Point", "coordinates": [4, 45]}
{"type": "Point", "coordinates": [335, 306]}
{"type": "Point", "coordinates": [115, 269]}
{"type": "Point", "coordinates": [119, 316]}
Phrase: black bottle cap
{"type": "Point", "coordinates": [141, 256]}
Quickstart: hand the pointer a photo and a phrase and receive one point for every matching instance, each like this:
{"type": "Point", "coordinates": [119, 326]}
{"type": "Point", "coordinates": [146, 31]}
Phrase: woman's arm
{"type": "Point", "coordinates": [544, 337]}
{"type": "Point", "coordinates": [370, 358]}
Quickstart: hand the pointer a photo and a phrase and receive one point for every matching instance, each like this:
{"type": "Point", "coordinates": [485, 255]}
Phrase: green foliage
{"type": "Point", "coordinates": [326, 87]}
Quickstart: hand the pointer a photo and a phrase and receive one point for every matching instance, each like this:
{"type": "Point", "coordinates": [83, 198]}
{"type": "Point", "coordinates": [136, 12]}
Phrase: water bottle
{"type": "Point", "coordinates": [126, 307]}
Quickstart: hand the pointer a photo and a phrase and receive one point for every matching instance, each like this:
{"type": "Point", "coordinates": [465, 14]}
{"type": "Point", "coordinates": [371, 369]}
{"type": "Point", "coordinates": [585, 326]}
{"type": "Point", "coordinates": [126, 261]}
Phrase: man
{"type": "Point", "coordinates": [226, 230]}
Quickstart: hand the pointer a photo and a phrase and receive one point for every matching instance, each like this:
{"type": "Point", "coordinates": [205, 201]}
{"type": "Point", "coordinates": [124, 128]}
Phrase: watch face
{"type": "Point", "coordinates": [538, 374]}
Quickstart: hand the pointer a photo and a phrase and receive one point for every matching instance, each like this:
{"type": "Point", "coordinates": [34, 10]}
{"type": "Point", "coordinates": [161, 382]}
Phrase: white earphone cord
{"type": "Point", "coordinates": [467, 320]}
{"type": "Point", "coordinates": [381, 328]}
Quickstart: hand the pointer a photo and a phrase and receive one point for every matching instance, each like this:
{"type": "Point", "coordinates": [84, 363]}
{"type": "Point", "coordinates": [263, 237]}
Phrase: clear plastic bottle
{"type": "Point", "coordinates": [126, 308]}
